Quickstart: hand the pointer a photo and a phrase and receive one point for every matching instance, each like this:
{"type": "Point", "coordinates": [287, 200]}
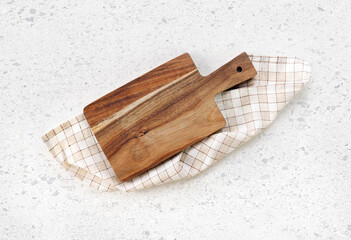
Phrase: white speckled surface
{"type": "Point", "coordinates": [292, 182]}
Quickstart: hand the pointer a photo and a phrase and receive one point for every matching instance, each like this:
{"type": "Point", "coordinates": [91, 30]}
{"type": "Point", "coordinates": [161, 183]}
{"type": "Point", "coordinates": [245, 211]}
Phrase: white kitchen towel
{"type": "Point", "coordinates": [248, 109]}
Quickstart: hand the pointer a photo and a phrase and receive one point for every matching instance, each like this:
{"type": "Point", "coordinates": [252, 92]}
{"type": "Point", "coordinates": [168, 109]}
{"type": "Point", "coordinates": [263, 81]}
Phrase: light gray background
{"type": "Point", "coordinates": [291, 182]}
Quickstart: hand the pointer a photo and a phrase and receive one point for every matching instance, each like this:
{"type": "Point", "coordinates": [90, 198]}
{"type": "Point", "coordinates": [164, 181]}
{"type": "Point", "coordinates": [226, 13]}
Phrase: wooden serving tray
{"type": "Point", "coordinates": [162, 112]}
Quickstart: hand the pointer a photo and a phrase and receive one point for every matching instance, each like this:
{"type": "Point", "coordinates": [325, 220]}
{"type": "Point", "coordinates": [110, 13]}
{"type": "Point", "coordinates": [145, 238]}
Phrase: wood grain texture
{"type": "Point", "coordinates": [162, 112]}
{"type": "Point", "coordinates": [143, 85]}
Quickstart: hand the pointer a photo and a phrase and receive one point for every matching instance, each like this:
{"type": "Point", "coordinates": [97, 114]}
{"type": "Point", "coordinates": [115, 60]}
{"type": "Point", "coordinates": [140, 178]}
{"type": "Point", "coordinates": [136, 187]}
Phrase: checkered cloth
{"type": "Point", "coordinates": [248, 109]}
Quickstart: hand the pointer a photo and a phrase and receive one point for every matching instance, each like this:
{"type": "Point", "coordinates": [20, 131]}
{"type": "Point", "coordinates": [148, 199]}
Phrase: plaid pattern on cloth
{"type": "Point", "coordinates": [248, 109]}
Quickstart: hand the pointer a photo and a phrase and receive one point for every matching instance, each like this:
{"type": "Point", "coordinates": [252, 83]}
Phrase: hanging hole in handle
{"type": "Point", "coordinates": [239, 69]}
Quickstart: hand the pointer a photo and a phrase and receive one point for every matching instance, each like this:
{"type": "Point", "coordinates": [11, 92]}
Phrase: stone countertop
{"type": "Point", "coordinates": [291, 182]}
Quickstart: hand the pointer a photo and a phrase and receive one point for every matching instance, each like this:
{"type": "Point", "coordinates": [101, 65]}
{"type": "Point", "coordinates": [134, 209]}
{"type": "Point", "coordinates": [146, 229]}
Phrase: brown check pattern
{"type": "Point", "coordinates": [248, 109]}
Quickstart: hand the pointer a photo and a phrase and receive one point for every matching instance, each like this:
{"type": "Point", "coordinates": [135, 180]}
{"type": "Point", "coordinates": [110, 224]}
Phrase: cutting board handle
{"type": "Point", "coordinates": [232, 73]}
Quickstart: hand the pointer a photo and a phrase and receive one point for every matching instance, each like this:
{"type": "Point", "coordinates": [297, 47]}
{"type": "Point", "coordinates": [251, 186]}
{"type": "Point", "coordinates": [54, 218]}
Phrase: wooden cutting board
{"type": "Point", "coordinates": [162, 112]}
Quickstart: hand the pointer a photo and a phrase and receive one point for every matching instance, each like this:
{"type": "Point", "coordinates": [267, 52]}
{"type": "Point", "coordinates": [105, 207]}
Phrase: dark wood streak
{"type": "Point", "coordinates": [160, 113]}
{"type": "Point", "coordinates": [130, 92]}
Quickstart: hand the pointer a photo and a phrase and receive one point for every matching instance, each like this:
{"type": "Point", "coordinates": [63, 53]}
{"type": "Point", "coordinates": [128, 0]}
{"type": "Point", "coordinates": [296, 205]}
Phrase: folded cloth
{"type": "Point", "coordinates": [248, 109]}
